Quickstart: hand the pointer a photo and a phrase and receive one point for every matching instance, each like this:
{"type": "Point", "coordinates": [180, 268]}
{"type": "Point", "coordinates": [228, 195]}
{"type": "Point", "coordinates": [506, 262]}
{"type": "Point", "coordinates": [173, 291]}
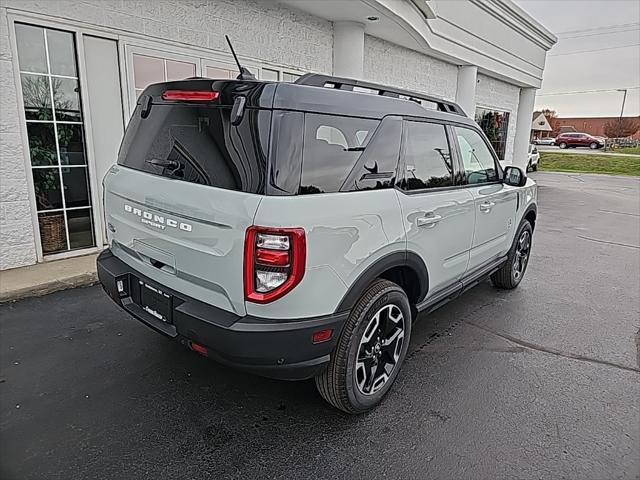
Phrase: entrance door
{"type": "Point", "coordinates": [107, 126]}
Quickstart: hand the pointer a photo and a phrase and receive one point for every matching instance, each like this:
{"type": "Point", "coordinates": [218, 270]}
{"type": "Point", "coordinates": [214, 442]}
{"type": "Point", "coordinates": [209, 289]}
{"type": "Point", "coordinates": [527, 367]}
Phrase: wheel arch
{"type": "Point", "coordinates": [531, 214]}
{"type": "Point", "coordinates": [407, 269]}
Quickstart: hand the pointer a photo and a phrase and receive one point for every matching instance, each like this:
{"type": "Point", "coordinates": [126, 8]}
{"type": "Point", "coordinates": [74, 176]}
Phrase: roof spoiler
{"type": "Point", "coordinates": [340, 83]}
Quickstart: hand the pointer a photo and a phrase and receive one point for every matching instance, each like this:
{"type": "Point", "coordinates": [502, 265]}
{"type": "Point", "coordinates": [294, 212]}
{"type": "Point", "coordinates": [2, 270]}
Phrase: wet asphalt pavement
{"type": "Point", "coordinates": [539, 382]}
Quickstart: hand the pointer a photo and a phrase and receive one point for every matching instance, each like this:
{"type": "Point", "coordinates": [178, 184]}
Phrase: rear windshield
{"type": "Point", "coordinates": [198, 144]}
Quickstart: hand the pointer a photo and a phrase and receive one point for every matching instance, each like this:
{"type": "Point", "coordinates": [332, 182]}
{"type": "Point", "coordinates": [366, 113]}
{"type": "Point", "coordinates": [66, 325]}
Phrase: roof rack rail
{"type": "Point", "coordinates": [340, 83]}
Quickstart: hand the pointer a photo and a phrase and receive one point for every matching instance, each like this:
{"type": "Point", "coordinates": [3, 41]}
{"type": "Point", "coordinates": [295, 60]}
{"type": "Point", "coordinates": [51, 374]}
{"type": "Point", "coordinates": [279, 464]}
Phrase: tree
{"type": "Point", "coordinates": [549, 113]}
{"type": "Point", "coordinates": [621, 127]}
{"type": "Point", "coordinates": [552, 117]}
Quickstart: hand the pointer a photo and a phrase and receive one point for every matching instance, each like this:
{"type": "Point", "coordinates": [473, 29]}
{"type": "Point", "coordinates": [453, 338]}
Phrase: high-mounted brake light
{"type": "Point", "coordinates": [274, 262]}
{"type": "Point", "coordinates": [190, 95]}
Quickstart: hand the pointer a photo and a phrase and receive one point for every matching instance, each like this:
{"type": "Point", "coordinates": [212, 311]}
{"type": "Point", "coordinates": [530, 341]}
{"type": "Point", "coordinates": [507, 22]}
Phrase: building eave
{"type": "Point", "coordinates": [506, 43]}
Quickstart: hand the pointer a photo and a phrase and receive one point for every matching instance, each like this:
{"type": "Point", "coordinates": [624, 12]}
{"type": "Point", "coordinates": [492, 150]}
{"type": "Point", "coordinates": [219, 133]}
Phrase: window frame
{"type": "Point", "coordinates": [402, 164]}
{"type": "Point", "coordinates": [460, 163]}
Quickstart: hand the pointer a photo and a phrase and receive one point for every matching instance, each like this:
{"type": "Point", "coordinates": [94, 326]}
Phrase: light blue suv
{"type": "Point", "coordinates": [296, 230]}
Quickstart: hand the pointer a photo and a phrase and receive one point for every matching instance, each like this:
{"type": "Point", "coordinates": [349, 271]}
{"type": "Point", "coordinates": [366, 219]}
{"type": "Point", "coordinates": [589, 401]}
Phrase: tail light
{"type": "Point", "coordinates": [274, 262]}
{"type": "Point", "coordinates": [190, 95]}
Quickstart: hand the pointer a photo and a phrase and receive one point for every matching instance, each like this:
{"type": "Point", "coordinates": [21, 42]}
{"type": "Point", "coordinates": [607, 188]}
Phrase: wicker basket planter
{"type": "Point", "coordinates": [53, 233]}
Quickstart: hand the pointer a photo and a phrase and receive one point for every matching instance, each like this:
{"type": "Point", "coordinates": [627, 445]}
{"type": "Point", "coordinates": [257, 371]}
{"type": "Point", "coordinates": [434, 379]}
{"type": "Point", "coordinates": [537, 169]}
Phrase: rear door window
{"type": "Point", "coordinates": [376, 168]}
{"type": "Point", "coordinates": [198, 144]}
{"type": "Point", "coordinates": [427, 157]}
{"type": "Point", "coordinates": [332, 146]}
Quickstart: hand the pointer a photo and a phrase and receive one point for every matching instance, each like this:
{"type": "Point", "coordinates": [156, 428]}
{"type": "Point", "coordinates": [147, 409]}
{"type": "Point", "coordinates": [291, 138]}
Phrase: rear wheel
{"type": "Point", "coordinates": [511, 273]}
{"type": "Point", "coordinates": [534, 167]}
{"type": "Point", "coordinates": [370, 351]}
{"type": "Point", "coordinates": [562, 145]}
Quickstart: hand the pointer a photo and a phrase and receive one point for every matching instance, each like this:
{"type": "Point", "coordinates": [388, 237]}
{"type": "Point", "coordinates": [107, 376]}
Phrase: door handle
{"type": "Point", "coordinates": [486, 206]}
{"type": "Point", "coordinates": [428, 221]}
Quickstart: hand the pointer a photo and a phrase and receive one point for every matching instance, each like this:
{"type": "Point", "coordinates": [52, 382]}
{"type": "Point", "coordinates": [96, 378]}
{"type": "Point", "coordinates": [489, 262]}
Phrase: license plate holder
{"type": "Point", "coordinates": [156, 302]}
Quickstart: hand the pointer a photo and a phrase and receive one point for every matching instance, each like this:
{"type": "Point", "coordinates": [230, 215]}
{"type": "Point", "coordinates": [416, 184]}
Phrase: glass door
{"type": "Point", "coordinates": [55, 130]}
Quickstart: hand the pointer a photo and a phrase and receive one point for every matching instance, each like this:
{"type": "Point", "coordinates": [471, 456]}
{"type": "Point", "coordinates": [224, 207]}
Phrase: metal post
{"type": "Point", "coordinates": [624, 99]}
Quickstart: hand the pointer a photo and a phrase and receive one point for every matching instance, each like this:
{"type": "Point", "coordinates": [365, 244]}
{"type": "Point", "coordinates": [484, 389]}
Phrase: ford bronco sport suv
{"type": "Point", "coordinates": [296, 230]}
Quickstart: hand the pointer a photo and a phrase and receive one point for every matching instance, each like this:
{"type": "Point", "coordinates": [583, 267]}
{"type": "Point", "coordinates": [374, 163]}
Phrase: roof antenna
{"type": "Point", "coordinates": [245, 74]}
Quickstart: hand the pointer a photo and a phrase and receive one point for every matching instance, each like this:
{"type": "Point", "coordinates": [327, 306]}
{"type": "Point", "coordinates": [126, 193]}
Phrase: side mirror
{"type": "Point", "coordinates": [514, 176]}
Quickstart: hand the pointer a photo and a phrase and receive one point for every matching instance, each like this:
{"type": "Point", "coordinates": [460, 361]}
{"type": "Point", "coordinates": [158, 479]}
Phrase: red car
{"type": "Point", "coordinates": [574, 139]}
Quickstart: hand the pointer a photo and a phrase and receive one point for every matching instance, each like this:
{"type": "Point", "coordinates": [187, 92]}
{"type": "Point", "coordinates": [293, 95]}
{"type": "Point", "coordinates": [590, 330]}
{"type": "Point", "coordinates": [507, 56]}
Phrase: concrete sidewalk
{"type": "Point", "coordinates": [47, 277]}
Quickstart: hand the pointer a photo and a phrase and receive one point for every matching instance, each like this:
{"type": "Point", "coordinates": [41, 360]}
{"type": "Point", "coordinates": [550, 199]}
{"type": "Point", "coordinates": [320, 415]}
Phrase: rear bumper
{"type": "Point", "coordinates": [267, 347]}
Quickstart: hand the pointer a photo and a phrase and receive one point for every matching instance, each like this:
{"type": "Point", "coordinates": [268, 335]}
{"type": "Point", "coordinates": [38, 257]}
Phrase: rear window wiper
{"type": "Point", "coordinates": [170, 164]}
{"type": "Point", "coordinates": [354, 149]}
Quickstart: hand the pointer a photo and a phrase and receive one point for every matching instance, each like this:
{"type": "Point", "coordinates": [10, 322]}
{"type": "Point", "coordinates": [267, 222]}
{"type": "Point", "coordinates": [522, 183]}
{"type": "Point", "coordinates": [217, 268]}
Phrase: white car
{"type": "Point", "coordinates": [534, 158]}
{"type": "Point", "coordinates": [545, 141]}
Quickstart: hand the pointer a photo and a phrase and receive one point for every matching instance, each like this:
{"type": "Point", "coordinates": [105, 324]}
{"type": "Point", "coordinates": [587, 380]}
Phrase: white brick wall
{"type": "Point", "coordinates": [260, 30]}
{"type": "Point", "coordinates": [391, 64]}
{"type": "Point", "coordinates": [17, 245]}
{"type": "Point", "coordinates": [503, 96]}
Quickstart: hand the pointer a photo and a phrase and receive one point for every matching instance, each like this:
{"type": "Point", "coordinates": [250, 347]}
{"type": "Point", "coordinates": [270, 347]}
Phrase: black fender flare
{"type": "Point", "coordinates": [391, 260]}
{"type": "Point", "coordinates": [531, 208]}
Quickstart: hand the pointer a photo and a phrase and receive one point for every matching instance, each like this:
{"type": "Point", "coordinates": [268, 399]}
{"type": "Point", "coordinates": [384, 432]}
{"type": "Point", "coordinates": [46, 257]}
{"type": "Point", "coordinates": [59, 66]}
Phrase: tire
{"type": "Point", "coordinates": [534, 167]}
{"type": "Point", "coordinates": [340, 383]}
{"type": "Point", "coordinates": [562, 145]}
{"type": "Point", "coordinates": [511, 273]}
{"type": "Point", "coordinates": [593, 145]}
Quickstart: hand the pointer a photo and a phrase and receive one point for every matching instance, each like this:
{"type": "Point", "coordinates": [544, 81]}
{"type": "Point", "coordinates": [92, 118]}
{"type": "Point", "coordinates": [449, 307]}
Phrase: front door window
{"type": "Point", "coordinates": [55, 130]}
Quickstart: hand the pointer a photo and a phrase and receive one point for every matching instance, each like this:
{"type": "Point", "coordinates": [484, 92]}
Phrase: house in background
{"type": "Point", "coordinates": [71, 73]}
{"type": "Point", "coordinates": [540, 127]}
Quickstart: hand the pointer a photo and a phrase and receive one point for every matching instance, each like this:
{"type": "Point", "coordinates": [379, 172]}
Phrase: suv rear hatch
{"type": "Point", "coordinates": [189, 180]}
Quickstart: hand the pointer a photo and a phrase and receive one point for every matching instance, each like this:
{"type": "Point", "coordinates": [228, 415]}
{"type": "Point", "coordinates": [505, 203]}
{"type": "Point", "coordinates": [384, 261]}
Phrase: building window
{"type": "Point", "coordinates": [289, 77]}
{"type": "Point", "coordinates": [148, 69]}
{"type": "Point", "coordinates": [495, 125]}
{"type": "Point", "coordinates": [270, 75]}
{"type": "Point", "coordinates": [273, 75]}
{"type": "Point", "coordinates": [55, 130]}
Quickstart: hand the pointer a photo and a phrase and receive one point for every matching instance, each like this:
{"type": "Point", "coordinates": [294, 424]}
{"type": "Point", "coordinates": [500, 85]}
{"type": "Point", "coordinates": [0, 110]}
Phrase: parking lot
{"type": "Point", "coordinates": [582, 150]}
{"type": "Point", "coordinates": [539, 382]}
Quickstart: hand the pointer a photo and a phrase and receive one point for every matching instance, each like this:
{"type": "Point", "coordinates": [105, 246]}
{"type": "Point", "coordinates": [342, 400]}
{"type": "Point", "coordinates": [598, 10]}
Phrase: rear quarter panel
{"type": "Point", "coordinates": [528, 196]}
{"type": "Point", "coordinates": [345, 232]}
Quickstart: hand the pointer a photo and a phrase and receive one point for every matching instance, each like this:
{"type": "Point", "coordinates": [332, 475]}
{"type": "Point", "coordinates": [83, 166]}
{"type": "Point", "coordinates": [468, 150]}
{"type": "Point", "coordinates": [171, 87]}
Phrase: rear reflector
{"type": "Point", "coordinates": [190, 95]}
{"type": "Point", "coordinates": [279, 258]}
{"type": "Point", "coordinates": [322, 336]}
{"type": "Point", "coordinates": [200, 349]}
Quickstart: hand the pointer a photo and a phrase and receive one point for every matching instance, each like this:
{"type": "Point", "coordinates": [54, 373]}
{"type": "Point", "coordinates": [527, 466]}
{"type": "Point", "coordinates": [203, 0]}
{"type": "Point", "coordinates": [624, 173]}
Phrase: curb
{"type": "Point", "coordinates": [81, 280]}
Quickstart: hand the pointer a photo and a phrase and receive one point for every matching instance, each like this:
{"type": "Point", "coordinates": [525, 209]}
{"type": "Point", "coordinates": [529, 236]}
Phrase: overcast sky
{"type": "Point", "coordinates": [594, 25]}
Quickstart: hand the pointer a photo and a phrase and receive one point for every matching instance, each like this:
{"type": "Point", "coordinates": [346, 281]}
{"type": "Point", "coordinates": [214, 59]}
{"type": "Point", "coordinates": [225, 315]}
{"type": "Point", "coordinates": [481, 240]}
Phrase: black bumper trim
{"type": "Point", "coordinates": [272, 348]}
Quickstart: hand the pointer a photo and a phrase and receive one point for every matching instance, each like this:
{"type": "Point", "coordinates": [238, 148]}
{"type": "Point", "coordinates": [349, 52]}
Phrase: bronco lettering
{"type": "Point", "coordinates": [157, 221]}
